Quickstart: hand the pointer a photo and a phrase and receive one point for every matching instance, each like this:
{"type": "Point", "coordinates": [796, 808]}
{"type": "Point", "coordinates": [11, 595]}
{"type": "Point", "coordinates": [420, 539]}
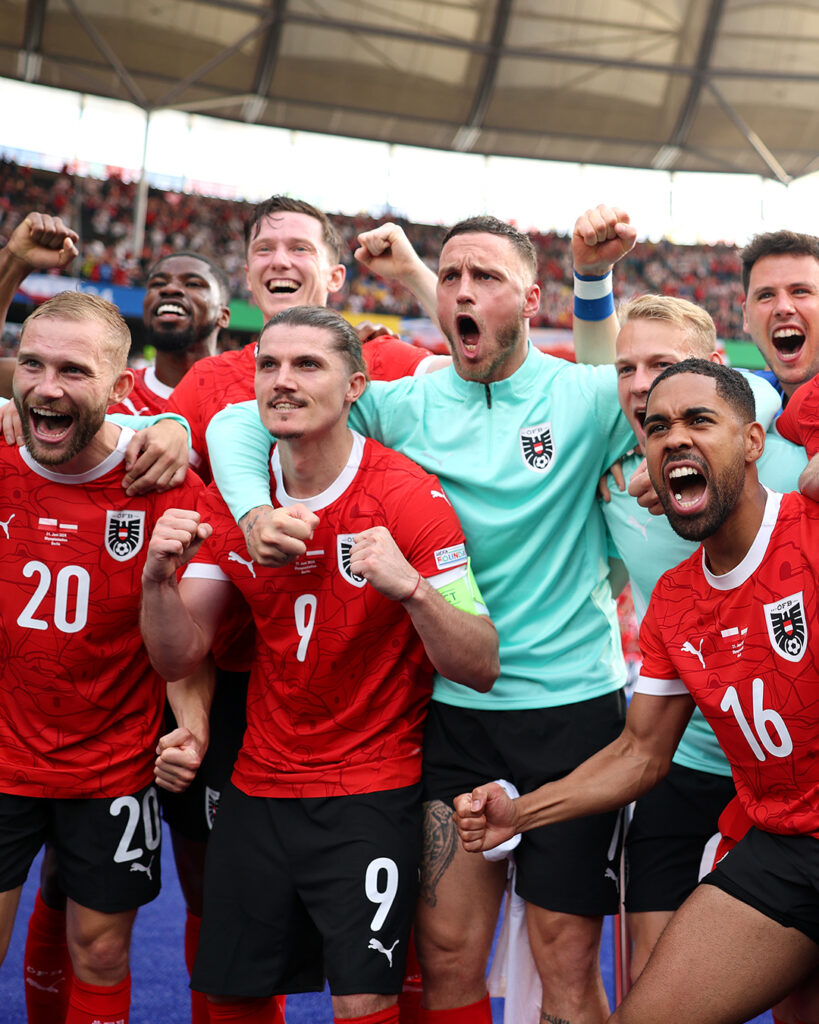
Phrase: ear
{"type": "Point", "coordinates": [121, 387]}
{"type": "Point", "coordinates": [716, 357]}
{"type": "Point", "coordinates": [223, 320]}
{"type": "Point", "coordinates": [754, 441]}
{"type": "Point", "coordinates": [355, 387]}
{"type": "Point", "coordinates": [745, 318]}
{"type": "Point", "coordinates": [531, 302]}
{"type": "Point", "coordinates": [336, 277]}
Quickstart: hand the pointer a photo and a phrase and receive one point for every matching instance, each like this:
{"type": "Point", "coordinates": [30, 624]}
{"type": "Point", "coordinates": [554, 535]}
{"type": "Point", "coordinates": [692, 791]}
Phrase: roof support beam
{"type": "Point", "coordinates": [689, 108]}
{"type": "Point", "coordinates": [29, 59]}
{"type": "Point", "coordinates": [268, 56]}
{"type": "Point", "coordinates": [466, 136]}
{"type": "Point", "coordinates": [122, 72]}
{"type": "Point", "coordinates": [767, 157]}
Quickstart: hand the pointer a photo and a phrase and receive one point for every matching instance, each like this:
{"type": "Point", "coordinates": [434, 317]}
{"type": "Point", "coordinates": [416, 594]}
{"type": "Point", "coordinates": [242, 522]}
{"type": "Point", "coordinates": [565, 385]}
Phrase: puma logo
{"type": "Point", "coordinates": [6, 524]}
{"type": "Point", "coordinates": [439, 494]}
{"type": "Point", "coordinates": [144, 867]}
{"type": "Point", "coordinates": [640, 526]}
{"type": "Point", "coordinates": [248, 563]}
{"type": "Point", "coordinates": [376, 945]}
{"type": "Point", "coordinates": [689, 648]}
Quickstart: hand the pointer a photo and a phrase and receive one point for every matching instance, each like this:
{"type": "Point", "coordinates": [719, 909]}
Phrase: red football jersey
{"type": "Point", "coordinates": [217, 381]}
{"type": "Point", "coordinates": [743, 645]}
{"type": "Point", "coordinates": [799, 421]}
{"type": "Point", "coordinates": [149, 396]}
{"type": "Point", "coordinates": [81, 707]}
{"type": "Point", "coordinates": [341, 682]}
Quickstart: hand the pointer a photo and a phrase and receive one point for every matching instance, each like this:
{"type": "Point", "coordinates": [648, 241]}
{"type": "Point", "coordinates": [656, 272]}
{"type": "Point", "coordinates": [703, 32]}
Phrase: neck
{"type": "Point", "coordinates": [726, 548]}
{"type": "Point", "coordinates": [171, 367]}
{"type": "Point", "coordinates": [98, 448]}
{"type": "Point", "coordinates": [310, 465]}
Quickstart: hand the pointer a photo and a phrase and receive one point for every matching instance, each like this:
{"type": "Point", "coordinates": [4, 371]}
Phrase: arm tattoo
{"type": "Point", "coordinates": [440, 844]}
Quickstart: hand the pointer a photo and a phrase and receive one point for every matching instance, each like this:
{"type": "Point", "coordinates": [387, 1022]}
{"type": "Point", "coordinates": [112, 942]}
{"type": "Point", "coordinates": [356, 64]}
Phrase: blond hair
{"type": "Point", "coordinates": [79, 306]}
{"type": "Point", "coordinates": [698, 326]}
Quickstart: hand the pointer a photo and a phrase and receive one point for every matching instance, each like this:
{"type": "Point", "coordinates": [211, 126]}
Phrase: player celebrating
{"type": "Point", "coordinates": [77, 729]}
{"type": "Point", "coordinates": [517, 438]}
{"type": "Point", "coordinates": [748, 935]}
{"type": "Point", "coordinates": [338, 692]}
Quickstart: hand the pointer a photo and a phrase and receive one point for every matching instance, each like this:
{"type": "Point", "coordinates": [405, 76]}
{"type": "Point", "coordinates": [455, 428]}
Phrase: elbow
{"type": "Point", "coordinates": [486, 677]}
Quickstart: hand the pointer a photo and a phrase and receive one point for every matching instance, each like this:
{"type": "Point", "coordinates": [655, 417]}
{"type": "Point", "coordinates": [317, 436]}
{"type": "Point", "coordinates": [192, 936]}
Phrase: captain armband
{"type": "Point", "coordinates": [593, 297]}
{"type": "Point", "coordinates": [460, 588]}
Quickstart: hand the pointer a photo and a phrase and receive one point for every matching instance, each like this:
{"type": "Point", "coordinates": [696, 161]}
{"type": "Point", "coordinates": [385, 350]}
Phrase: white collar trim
{"type": "Point", "coordinates": [756, 552]}
{"type": "Point", "coordinates": [331, 493]}
{"type": "Point", "coordinates": [108, 463]}
{"type": "Point", "coordinates": [153, 383]}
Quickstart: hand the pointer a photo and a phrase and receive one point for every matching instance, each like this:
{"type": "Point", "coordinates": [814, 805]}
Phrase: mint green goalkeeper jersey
{"type": "Point", "coordinates": [520, 460]}
{"type": "Point", "coordinates": [649, 547]}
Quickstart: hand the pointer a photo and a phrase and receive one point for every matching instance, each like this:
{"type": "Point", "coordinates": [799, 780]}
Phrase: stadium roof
{"type": "Point", "coordinates": [707, 85]}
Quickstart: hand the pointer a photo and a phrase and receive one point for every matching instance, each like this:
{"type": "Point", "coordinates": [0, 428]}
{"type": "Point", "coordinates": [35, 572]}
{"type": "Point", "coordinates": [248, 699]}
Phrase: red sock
{"type": "Point", "coordinates": [46, 965]}
{"type": "Point", "coordinates": [475, 1013]}
{"type": "Point", "coordinates": [409, 1002]}
{"type": "Point", "coordinates": [388, 1016]}
{"type": "Point", "coordinates": [99, 1004]}
{"type": "Point", "coordinates": [258, 1011]}
{"type": "Point", "coordinates": [199, 1001]}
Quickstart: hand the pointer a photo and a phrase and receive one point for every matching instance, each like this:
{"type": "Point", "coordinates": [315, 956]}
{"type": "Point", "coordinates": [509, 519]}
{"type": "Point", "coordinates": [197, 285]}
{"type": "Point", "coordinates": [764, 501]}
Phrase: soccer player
{"type": "Point", "coordinates": [749, 933]}
{"type": "Point", "coordinates": [293, 259]}
{"type": "Point", "coordinates": [673, 822]}
{"type": "Point", "coordinates": [517, 438]}
{"type": "Point", "coordinates": [315, 847]}
{"type": "Point", "coordinates": [81, 709]}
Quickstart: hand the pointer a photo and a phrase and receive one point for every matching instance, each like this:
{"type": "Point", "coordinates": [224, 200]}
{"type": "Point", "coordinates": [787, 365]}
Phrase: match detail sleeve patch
{"type": "Point", "coordinates": [450, 558]}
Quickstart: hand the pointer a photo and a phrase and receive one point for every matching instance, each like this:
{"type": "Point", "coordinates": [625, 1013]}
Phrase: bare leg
{"type": "Point", "coordinates": [457, 912]}
{"type": "Point", "coordinates": [361, 1006]}
{"type": "Point", "coordinates": [8, 909]}
{"type": "Point", "coordinates": [99, 943]}
{"type": "Point", "coordinates": [566, 949]}
{"type": "Point", "coordinates": [646, 929]}
{"type": "Point", "coordinates": [719, 961]}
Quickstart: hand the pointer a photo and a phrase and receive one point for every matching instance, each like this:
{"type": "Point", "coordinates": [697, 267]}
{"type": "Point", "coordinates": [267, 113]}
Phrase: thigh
{"type": "Point", "coordinates": [9, 901]}
{"type": "Point", "coordinates": [257, 939]}
{"type": "Point", "coordinates": [109, 850]}
{"type": "Point", "coordinates": [718, 961]}
{"type": "Point", "coordinates": [357, 875]}
{"type": "Point", "coordinates": [667, 836]}
{"type": "Point", "coordinates": [24, 825]}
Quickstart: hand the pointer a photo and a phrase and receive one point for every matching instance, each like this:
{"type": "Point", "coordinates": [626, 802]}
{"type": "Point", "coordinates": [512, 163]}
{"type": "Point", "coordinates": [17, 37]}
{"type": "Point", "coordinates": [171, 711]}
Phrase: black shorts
{"type": "Point", "coordinates": [108, 849]}
{"type": "Point", "coordinates": [191, 813]}
{"type": "Point", "coordinates": [667, 835]}
{"type": "Point", "coordinates": [571, 867]}
{"type": "Point", "coordinates": [294, 884]}
{"type": "Point", "coordinates": [777, 875]}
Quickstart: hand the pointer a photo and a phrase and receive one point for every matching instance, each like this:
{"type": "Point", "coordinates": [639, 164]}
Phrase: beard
{"type": "Point", "coordinates": [507, 340]}
{"type": "Point", "coordinates": [178, 340]}
{"type": "Point", "coordinates": [723, 498]}
{"type": "Point", "coordinates": [86, 426]}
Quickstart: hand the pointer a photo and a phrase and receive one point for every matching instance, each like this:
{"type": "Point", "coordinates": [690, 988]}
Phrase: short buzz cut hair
{"type": "Point", "coordinates": [79, 306]}
{"type": "Point", "coordinates": [693, 320]}
{"type": "Point", "coordinates": [284, 204]}
{"type": "Point", "coordinates": [776, 243]}
{"type": "Point", "coordinates": [486, 225]}
{"type": "Point", "coordinates": [344, 335]}
{"type": "Point", "coordinates": [731, 386]}
{"type": "Point", "coordinates": [222, 280]}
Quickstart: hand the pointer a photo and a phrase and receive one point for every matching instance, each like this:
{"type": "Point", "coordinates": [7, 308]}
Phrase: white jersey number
{"type": "Point", "coordinates": [304, 611]}
{"type": "Point", "coordinates": [767, 723]}
{"type": "Point", "coordinates": [383, 895]}
{"type": "Point", "coordinates": [150, 821]}
{"type": "Point", "coordinates": [72, 587]}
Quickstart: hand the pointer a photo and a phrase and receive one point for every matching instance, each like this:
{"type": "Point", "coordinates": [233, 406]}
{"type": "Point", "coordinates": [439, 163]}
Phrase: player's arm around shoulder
{"type": "Point", "coordinates": [422, 563]}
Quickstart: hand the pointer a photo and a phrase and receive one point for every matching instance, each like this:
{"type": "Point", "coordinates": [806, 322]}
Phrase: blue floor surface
{"type": "Point", "coordinates": [159, 979]}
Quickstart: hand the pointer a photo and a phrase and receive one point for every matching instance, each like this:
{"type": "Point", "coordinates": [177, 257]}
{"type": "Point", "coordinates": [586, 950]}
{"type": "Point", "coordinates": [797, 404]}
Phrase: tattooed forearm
{"type": "Point", "coordinates": [440, 843]}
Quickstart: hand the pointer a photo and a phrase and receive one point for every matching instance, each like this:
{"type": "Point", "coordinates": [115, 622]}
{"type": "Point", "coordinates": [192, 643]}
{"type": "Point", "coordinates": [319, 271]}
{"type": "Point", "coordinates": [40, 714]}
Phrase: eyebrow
{"type": "Point", "coordinates": [790, 284]}
{"type": "Point", "coordinates": [695, 410]}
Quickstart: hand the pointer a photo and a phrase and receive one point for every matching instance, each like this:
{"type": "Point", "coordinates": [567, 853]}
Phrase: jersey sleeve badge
{"type": "Point", "coordinates": [537, 446]}
{"type": "Point", "coordinates": [124, 533]}
{"type": "Point", "coordinates": [787, 628]}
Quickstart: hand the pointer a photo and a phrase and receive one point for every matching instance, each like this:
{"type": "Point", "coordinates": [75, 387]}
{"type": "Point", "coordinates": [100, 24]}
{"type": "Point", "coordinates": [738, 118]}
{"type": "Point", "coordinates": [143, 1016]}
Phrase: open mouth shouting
{"type": "Point", "coordinates": [687, 486]}
{"type": "Point", "coordinates": [49, 426]}
{"type": "Point", "coordinates": [788, 342]}
{"type": "Point", "coordinates": [282, 286]}
{"type": "Point", "coordinates": [469, 334]}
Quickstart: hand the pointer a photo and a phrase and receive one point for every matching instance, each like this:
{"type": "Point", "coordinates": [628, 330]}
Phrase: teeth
{"type": "Point", "coordinates": [49, 412]}
{"type": "Point", "coordinates": [788, 332]}
{"type": "Point", "coordinates": [282, 285]}
{"type": "Point", "coordinates": [169, 307]}
{"type": "Point", "coordinates": [683, 471]}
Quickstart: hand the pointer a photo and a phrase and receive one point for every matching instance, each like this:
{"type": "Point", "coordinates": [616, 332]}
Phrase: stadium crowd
{"type": "Point", "coordinates": [102, 212]}
{"type": "Point", "coordinates": [395, 599]}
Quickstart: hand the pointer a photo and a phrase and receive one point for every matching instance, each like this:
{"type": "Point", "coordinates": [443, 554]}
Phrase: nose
{"type": "Point", "coordinates": [784, 303]}
{"type": "Point", "coordinates": [170, 287]}
{"type": "Point", "coordinates": [280, 255]}
{"type": "Point", "coordinates": [285, 379]}
{"type": "Point", "coordinates": [677, 436]}
{"type": "Point", "coordinates": [49, 385]}
{"type": "Point", "coordinates": [465, 291]}
{"type": "Point", "coordinates": [641, 380]}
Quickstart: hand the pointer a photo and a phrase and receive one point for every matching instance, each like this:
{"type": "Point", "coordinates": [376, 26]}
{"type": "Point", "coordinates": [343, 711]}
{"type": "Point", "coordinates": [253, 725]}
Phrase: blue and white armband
{"type": "Point", "coordinates": [593, 297]}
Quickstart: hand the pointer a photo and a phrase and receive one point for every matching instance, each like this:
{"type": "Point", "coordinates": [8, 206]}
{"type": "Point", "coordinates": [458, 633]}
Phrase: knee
{"type": "Point", "coordinates": [453, 954]}
{"type": "Point", "coordinates": [103, 956]}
